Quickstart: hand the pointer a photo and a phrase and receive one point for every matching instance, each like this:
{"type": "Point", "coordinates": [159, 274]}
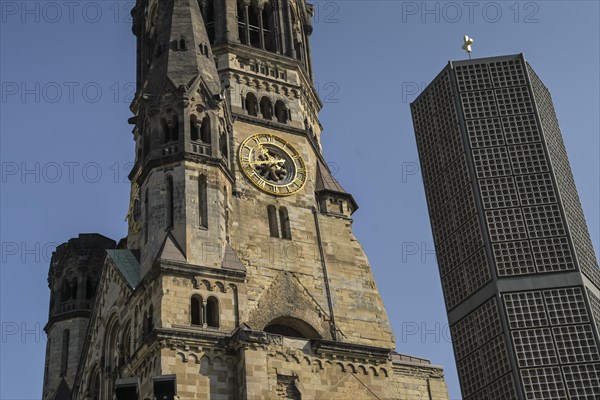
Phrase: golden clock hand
{"type": "Point", "coordinates": [264, 151]}
{"type": "Point", "coordinates": [272, 161]}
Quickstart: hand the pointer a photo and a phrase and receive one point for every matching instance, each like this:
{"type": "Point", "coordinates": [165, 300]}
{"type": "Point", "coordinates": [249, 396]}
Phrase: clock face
{"type": "Point", "coordinates": [272, 165]}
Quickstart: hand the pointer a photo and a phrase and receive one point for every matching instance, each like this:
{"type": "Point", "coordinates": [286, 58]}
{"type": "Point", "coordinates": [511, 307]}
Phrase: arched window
{"type": "Point", "coordinates": [170, 129]}
{"type": "Point", "coordinates": [194, 128]}
{"type": "Point", "coordinates": [284, 219]}
{"type": "Point", "coordinates": [268, 32]}
{"type": "Point", "coordinates": [273, 226]}
{"type": "Point", "coordinates": [205, 130]}
{"type": "Point", "coordinates": [126, 344]}
{"type": "Point", "coordinates": [174, 129]}
{"type": "Point", "coordinates": [242, 22]}
{"type": "Point", "coordinates": [146, 215]}
{"type": "Point", "coordinates": [90, 287]}
{"type": "Point", "coordinates": [64, 355]}
{"type": "Point", "coordinates": [223, 147]}
{"type": "Point", "coordinates": [292, 327]}
{"type": "Point", "coordinates": [68, 289]}
{"type": "Point", "coordinates": [254, 26]}
{"type": "Point", "coordinates": [196, 307]}
{"type": "Point", "coordinates": [74, 288]}
{"type": "Point", "coordinates": [170, 203]}
{"type": "Point", "coordinates": [202, 202]}
{"type": "Point", "coordinates": [281, 112]}
{"type": "Point", "coordinates": [181, 43]}
{"type": "Point", "coordinates": [208, 14]}
{"type": "Point", "coordinates": [165, 130]}
{"type": "Point", "coordinates": [47, 365]}
{"type": "Point", "coordinates": [252, 104]}
{"type": "Point", "coordinates": [150, 319]}
{"type": "Point", "coordinates": [266, 108]}
{"type": "Point", "coordinates": [112, 349]}
{"type": "Point", "coordinates": [212, 312]}
{"type": "Point", "coordinates": [65, 290]}
{"type": "Point", "coordinates": [257, 27]}
{"type": "Point", "coordinates": [94, 384]}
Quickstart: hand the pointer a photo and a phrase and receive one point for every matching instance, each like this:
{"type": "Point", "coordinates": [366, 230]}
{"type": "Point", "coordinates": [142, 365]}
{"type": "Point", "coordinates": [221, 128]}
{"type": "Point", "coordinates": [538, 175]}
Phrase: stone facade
{"type": "Point", "coordinates": [222, 290]}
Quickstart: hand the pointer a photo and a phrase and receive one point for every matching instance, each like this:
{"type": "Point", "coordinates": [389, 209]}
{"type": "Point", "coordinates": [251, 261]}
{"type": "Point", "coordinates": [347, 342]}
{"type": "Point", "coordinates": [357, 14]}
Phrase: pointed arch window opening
{"type": "Point", "coordinates": [257, 26]}
{"type": "Point", "coordinates": [208, 15]}
{"type": "Point", "coordinates": [202, 202]}
{"type": "Point", "coordinates": [148, 325]}
{"type": "Point", "coordinates": [204, 314]}
{"type": "Point", "coordinates": [90, 287]}
{"type": "Point", "coordinates": [273, 225]}
{"type": "Point", "coordinates": [266, 108]}
{"type": "Point", "coordinates": [223, 145]}
{"type": "Point", "coordinates": [194, 128]}
{"type": "Point", "coordinates": [197, 311]}
{"type": "Point", "coordinates": [146, 215]}
{"type": "Point", "coordinates": [251, 103]}
{"type": "Point", "coordinates": [269, 38]}
{"type": "Point", "coordinates": [242, 15]}
{"type": "Point", "coordinates": [284, 219]}
{"type": "Point", "coordinates": [181, 44]}
{"type": "Point", "coordinates": [205, 130]}
{"type": "Point", "coordinates": [279, 222]}
{"type": "Point", "coordinates": [212, 312]}
{"type": "Point", "coordinates": [282, 113]}
{"type": "Point", "coordinates": [170, 206]}
{"type": "Point", "coordinates": [94, 384]}
{"type": "Point", "coordinates": [64, 357]}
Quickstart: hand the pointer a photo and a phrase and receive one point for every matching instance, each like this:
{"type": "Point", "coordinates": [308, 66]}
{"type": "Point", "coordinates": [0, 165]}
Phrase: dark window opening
{"type": "Point", "coordinates": [252, 104]}
{"type": "Point", "coordinates": [212, 312]}
{"type": "Point", "coordinates": [194, 128]}
{"type": "Point", "coordinates": [69, 289]}
{"type": "Point", "coordinates": [273, 226]}
{"type": "Point", "coordinates": [281, 112]}
{"type": "Point", "coordinates": [208, 14]}
{"type": "Point", "coordinates": [241, 14]}
{"type": "Point", "coordinates": [205, 130]}
{"type": "Point", "coordinates": [64, 357]}
{"type": "Point", "coordinates": [94, 387]}
{"type": "Point", "coordinates": [196, 311]}
{"type": "Point", "coordinates": [202, 202]}
{"type": "Point", "coordinates": [181, 44]}
{"type": "Point", "coordinates": [223, 147]}
{"type": "Point", "coordinates": [170, 129]}
{"type": "Point", "coordinates": [284, 219]}
{"type": "Point", "coordinates": [254, 26]}
{"type": "Point", "coordinates": [292, 327]}
{"type": "Point", "coordinates": [268, 29]}
{"type": "Point", "coordinates": [148, 321]}
{"type": "Point", "coordinates": [284, 331]}
{"type": "Point", "coordinates": [90, 287]}
{"type": "Point", "coordinates": [170, 203]}
{"type": "Point", "coordinates": [266, 108]}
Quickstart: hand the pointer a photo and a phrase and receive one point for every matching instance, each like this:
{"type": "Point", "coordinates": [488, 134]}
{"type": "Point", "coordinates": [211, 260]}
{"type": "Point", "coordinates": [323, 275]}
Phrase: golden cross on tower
{"type": "Point", "coordinates": [468, 41]}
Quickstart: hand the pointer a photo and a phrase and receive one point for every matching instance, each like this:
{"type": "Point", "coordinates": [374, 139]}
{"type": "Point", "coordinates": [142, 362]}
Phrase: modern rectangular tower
{"type": "Point", "coordinates": [520, 277]}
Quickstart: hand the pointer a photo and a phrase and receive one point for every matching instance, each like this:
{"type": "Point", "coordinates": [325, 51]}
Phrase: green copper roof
{"type": "Point", "coordinates": [127, 264]}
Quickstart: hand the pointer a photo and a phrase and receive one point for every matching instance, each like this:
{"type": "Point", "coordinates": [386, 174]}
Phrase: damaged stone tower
{"type": "Point", "coordinates": [240, 277]}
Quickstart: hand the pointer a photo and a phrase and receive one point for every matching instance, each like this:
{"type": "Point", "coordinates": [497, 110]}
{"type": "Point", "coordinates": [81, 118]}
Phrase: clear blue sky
{"type": "Point", "coordinates": [369, 57]}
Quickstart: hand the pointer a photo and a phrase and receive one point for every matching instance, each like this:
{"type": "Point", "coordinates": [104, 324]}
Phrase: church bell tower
{"type": "Point", "coordinates": [240, 277]}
